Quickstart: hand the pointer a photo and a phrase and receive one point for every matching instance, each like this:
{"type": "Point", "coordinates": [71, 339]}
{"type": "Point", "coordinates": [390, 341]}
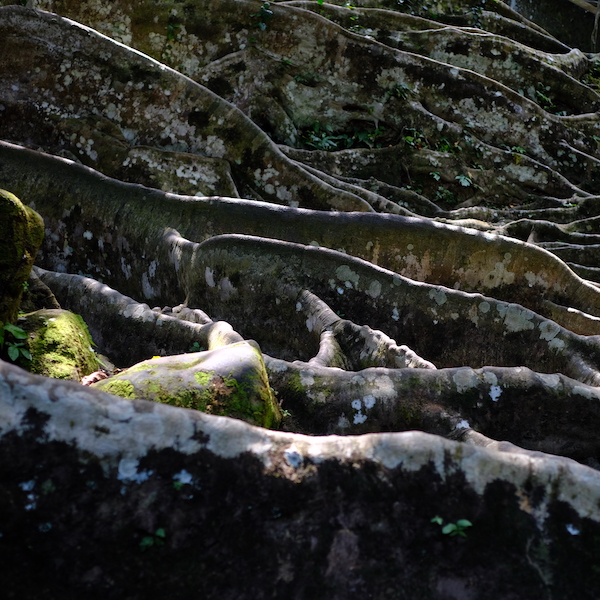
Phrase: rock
{"type": "Point", "coordinates": [60, 344]}
{"type": "Point", "coordinates": [104, 497]}
{"type": "Point", "coordinates": [21, 235]}
{"type": "Point", "coordinates": [230, 380]}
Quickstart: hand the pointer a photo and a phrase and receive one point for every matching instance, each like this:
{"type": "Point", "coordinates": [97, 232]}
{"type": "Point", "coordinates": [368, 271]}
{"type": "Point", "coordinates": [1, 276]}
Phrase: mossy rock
{"type": "Point", "coordinates": [21, 234]}
{"type": "Point", "coordinates": [229, 381]}
{"type": "Point", "coordinates": [60, 344]}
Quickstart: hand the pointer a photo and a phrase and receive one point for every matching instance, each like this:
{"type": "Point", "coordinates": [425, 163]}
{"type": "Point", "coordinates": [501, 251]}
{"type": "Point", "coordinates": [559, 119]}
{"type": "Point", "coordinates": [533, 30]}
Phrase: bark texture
{"type": "Point", "coordinates": [396, 205]}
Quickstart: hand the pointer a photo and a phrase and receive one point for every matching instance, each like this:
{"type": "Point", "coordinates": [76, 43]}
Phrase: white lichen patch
{"type": "Point", "coordinates": [209, 277]}
{"type": "Point", "coordinates": [374, 289]}
{"type": "Point", "coordinates": [537, 279]}
{"type": "Point", "coordinates": [438, 295]}
{"type": "Point", "coordinates": [347, 275]}
{"type": "Point", "coordinates": [548, 330]}
{"type": "Point", "coordinates": [147, 290]}
{"type": "Point", "coordinates": [556, 344]}
{"type": "Point", "coordinates": [490, 377]}
{"type": "Point", "coordinates": [495, 392]}
{"type": "Point", "coordinates": [484, 307]}
{"type": "Point", "coordinates": [128, 471]}
{"type": "Point", "coordinates": [415, 267]}
{"type": "Point", "coordinates": [552, 380]}
{"type": "Point", "coordinates": [465, 379]}
{"type": "Point", "coordinates": [589, 392]}
{"type": "Point", "coordinates": [498, 276]}
{"type": "Point", "coordinates": [515, 317]}
{"type": "Point", "coordinates": [527, 174]}
{"type": "Point", "coordinates": [307, 378]}
{"type": "Point", "coordinates": [226, 289]}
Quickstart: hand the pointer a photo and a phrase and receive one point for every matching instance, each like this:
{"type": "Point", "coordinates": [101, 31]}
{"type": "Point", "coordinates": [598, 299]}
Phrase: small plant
{"type": "Point", "coordinates": [444, 195]}
{"type": "Point", "coordinates": [476, 15]}
{"type": "Point", "coordinates": [453, 529]}
{"type": "Point", "coordinates": [14, 347]}
{"type": "Point", "coordinates": [435, 175]}
{"type": "Point", "coordinates": [517, 152]}
{"type": "Point", "coordinates": [592, 77]}
{"type": "Point", "coordinates": [368, 138]}
{"type": "Point", "coordinates": [172, 34]}
{"type": "Point", "coordinates": [264, 15]}
{"type": "Point", "coordinates": [415, 139]}
{"type": "Point", "coordinates": [196, 347]}
{"type": "Point", "coordinates": [308, 79]}
{"type": "Point", "coordinates": [158, 539]}
{"type": "Point", "coordinates": [321, 137]}
{"type": "Point", "coordinates": [544, 100]}
{"type": "Point", "coordinates": [464, 180]}
{"type": "Point", "coordinates": [400, 90]}
{"type": "Point", "coordinates": [445, 145]}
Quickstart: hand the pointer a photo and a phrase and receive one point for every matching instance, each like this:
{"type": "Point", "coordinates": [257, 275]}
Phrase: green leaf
{"type": "Point", "coordinates": [147, 542]}
{"type": "Point", "coordinates": [15, 331]}
{"type": "Point", "coordinates": [437, 519]}
{"type": "Point", "coordinates": [462, 523]}
{"type": "Point", "coordinates": [464, 180]}
{"type": "Point", "coordinates": [160, 533]}
{"type": "Point", "coordinates": [25, 353]}
{"type": "Point", "coordinates": [450, 528]}
{"type": "Point", "coordinates": [13, 352]}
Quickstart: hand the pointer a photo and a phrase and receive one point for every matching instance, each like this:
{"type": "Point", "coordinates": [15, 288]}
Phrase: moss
{"type": "Point", "coordinates": [203, 377]}
{"type": "Point", "coordinates": [21, 234]}
{"type": "Point", "coordinates": [60, 345]}
{"type": "Point", "coordinates": [144, 366]}
{"type": "Point", "coordinates": [118, 387]}
{"type": "Point", "coordinates": [294, 383]}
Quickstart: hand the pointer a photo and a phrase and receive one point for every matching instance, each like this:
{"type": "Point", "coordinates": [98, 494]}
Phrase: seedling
{"type": "Point", "coordinates": [464, 180]}
{"type": "Point", "coordinates": [415, 139]}
{"type": "Point", "coordinates": [400, 90]}
{"type": "Point", "coordinates": [453, 529]}
{"type": "Point", "coordinates": [158, 539]}
{"type": "Point", "coordinates": [14, 348]}
{"type": "Point", "coordinates": [444, 195]}
{"type": "Point", "coordinates": [264, 15]}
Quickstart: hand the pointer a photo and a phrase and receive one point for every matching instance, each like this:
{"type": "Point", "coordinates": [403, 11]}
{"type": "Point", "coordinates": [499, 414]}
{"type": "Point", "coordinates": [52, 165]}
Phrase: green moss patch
{"type": "Point", "coordinates": [118, 387]}
{"type": "Point", "coordinates": [60, 344]}
{"type": "Point", "coordinates": [229, 381]}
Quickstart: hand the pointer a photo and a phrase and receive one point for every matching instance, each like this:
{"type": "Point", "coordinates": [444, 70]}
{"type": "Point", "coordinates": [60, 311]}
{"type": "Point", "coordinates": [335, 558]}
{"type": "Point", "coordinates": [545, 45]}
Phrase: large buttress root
{"type": "Point", "coordinates": [450, 289]}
